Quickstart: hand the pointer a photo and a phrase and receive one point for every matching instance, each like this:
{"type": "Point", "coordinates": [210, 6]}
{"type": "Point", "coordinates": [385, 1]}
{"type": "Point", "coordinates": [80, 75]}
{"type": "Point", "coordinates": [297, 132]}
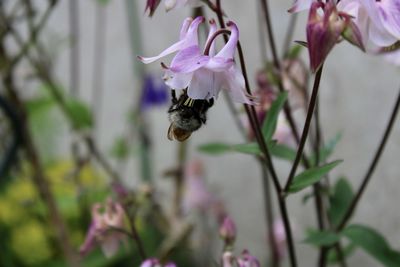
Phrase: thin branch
{"type": "Point", "coordinates": [306, 128]}
{"type": "Point", "coordinates": [372, 166]}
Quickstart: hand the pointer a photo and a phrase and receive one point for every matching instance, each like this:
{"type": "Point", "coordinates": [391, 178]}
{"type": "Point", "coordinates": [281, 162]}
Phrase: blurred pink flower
{"type": "Point", "coordinates": [203, 75]}
{"type": "Point", "coordinates": [197, 195]}
{"type": "Point", "coordinates": [100, 231]}
{"type": "Point", "coordinates": [283, 133]}
{"type": "Point", "coordinates": [246, 260]}
{"type": "Point", "coordinates": [279, 238]}
{"type": "Point", "coordinates": [153, 262]}
{"type": "Point", "coordinates": [171, 4]}
{"type": "Point", "coordinates": [227, 230]}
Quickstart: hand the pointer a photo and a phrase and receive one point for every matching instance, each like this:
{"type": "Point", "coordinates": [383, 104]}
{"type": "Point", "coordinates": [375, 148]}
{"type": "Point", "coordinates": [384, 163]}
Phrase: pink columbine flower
{"type": "Point", "coordinates": [100, 231]}
{"type": "Point", "coordinates": [246, 260]}
{"type": "Point", "coordinates": [323, 32]}
{"type": "Point", "coordinates": [377, 21]}
{"type": "Point", "coordinates": [153, 262]}
{"type": "Point", "coordinates": [203, 75]}
{"type": "Point", "coordinates": [227, 230]}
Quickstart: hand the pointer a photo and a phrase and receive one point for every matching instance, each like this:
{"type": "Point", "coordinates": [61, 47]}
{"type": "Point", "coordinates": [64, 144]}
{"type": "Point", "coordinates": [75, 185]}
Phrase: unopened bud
{"type": "Point", "coordinates": [227, 231]}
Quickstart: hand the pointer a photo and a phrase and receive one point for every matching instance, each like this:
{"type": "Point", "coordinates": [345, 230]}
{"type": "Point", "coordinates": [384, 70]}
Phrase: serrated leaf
{"type": "Point", "coordinates": [79, 113]}
{"type": "Point", "coordinates": [322, 238]}
{"type": "Point", "coordinates": [311, 176]}
{"type": "Point", "coordinates": [340, 201]}
{"type": "Point", "coordinates": [326, 151]}
{"type": "Point", "coordinates": [270, 121]}
{"type": "Point", "coordinates": [373, 243]}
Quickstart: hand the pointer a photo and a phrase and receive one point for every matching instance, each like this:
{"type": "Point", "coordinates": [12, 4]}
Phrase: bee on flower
{"type": "Point", "coordinates": [199, 74]}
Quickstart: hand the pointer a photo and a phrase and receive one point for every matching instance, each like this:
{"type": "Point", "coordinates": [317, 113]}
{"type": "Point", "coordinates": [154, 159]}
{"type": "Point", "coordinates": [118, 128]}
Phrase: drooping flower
{"type": "Point", "coordinates": [323, 32]}
{"type": "Point", "coordinates": [153, 262]}
{"type": "Point", "coordinates": [227, 230]}
{"type": "Point", "coordinates": [246, 260]}
{"type": "Point", "coordinates": [378, 22]}
{"type": "Point", "coordinates": [101, 231]}
{"type": "Point", "coordinates": [203, 73]}
{"type": "Point", "coordinates": [151, 6]}
{"type": "Point", "coordinates": [171, 4]}
{"type": "Point", "coordinates": [154, 93]}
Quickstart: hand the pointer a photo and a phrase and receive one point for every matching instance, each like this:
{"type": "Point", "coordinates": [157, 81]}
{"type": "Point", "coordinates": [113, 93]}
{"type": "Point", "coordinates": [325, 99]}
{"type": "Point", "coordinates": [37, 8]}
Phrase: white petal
{"type": "Point", "coordinates": [202, 85]}
{"type": "Point", "coordinates": [172, 49]}
{"type": "Point", "coordinates": [177, 81]}
{"type": "Point", "coordinates": [235, 85]}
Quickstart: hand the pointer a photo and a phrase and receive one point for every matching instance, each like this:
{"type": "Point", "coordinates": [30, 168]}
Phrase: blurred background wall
{"type": "Point", "coordinates": [357, 94]}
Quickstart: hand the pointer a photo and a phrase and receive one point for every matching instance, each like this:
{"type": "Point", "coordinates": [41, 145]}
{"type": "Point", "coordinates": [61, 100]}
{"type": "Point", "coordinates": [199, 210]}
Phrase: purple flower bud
{"type": "Point", "coordinates": [152, 5]}
{"type": "Point", "coordinates": [323, 32]}
{"type": "Point", "coordinates": [248, 260]}
{"type": "Point", "coordinates": [153, 262]}
{"type": "Point", "coordinates": [352, 33]}
{"type": "Point", "coordinates": [227, 230]}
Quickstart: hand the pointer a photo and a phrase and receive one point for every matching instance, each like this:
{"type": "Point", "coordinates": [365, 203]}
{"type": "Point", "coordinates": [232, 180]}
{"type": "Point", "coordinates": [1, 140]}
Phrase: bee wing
{"type": "Point", "coordinates": [170, 133]}
{"type": "Point", "coordinates": [183, 136]}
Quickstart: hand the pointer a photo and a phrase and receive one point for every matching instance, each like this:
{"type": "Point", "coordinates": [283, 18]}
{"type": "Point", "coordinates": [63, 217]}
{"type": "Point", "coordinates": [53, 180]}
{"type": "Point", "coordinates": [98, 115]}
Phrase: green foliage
{"type": "Point", "coordinates": [340, 201]}
{"type": "Point", "coordinates": [326, 151]}
{"type": "Point", "coordinates": [347, 251]}
{"type": "Point", "coordinates": [222, 148]}
{"type": "Point", "coordinates": [311, 176]}
{"type": "Point", "coordinates": [270, 121]}
{"type": "Point", "coordinates": [103, 2]}
{"type": "Point", "coordinates": [322, 238]}
{"type": "Point", "coordinates": [120, 149]}
{"type": "Point", "coordinates": [373, 243]}
{"type": "Point", "coordinates": [294, 51]}
{"type": "Point", "coordinates": [282, 151]}
{"type": "Point", "coordinates": [79, 114]}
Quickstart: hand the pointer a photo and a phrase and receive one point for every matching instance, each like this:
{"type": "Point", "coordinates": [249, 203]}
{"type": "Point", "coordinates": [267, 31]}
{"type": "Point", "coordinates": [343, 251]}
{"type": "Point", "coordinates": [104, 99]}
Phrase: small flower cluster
{"type": "Point", "coordinates": [104, 228]}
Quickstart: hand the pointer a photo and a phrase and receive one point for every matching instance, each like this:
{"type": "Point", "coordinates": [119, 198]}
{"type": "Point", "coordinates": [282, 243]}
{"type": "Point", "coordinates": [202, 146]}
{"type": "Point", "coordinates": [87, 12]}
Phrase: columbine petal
{"type": "Point", "coordinates": [228, 51]}
{"type": "Point", "coordinates": [188, 60]}
{"type": "Point", "coordinates": [172, 49]}
{"type": "Point", "coordinates": [192, 33]}
{"type": "Point", "coordinates": [213, 29]}
{"type": "Point", "coordinates": [248, 260]}
{"type": "Point", "coordinates": [300, 5]}
{"type": "Point", "coordinates": [149, 263]}
{"type": "Point", "coordinates": [202, 85]}
{"type": "Point", "coordinates": [177, 81]}
{"type": "Point", "coordinates": [219, 64]}
{"type": "Point", "coordinates": [110, 245]}
{"type": "Point", "coordinates": [235, 84]}
{"type": "Point", "coordinates": [389, 11]}
{"type": "Point", "coordinates": [185, 28]}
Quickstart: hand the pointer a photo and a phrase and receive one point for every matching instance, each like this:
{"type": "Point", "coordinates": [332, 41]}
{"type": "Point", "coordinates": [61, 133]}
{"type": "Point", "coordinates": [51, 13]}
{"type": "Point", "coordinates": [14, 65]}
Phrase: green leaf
{"type": "Point", "coordinates": [294, 51]}
{"type": "Point", "coordinates": [322, 238]}
{"type": "Point", "coordinates": [270, 121]}
{"type": "Point", "coordinates": [311, 176]}
{"type": "Point", "coordinates": [79, 113]}
{"type": "Point", "coordinates": [39, 104]}
{"type": "Point", "coordinates": [327, 150]}
{"type": "Point", "coordinates": [250, 148]}
{"type": "Point", "coordinates": [103, 2]}
{"type": "Point", "coordinates": [348, 250]}
{"type": "Point", "coordinates": [373, 243]}
{"type": "Point", "coordinates": [222, 148]}
{"type": "Point", "coordinates": [340, 201]}
{"type": "Point", "coordinates": [120, 149]}
{"type": "Point", "coordinates": [282, 151]}
{"type": "Point", "coordinates": [215, 148]}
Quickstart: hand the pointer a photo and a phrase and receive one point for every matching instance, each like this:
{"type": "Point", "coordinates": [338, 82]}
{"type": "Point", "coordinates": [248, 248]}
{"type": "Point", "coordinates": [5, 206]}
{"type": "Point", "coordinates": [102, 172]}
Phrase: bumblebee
{"type": "Point", "coordinates": [186, 115]}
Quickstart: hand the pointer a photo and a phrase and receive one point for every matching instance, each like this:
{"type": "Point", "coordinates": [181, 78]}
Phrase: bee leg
{"type": "Point", "coordinates": [210, 102]}
{"type": "Point", "coordinates": [173, 97]}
